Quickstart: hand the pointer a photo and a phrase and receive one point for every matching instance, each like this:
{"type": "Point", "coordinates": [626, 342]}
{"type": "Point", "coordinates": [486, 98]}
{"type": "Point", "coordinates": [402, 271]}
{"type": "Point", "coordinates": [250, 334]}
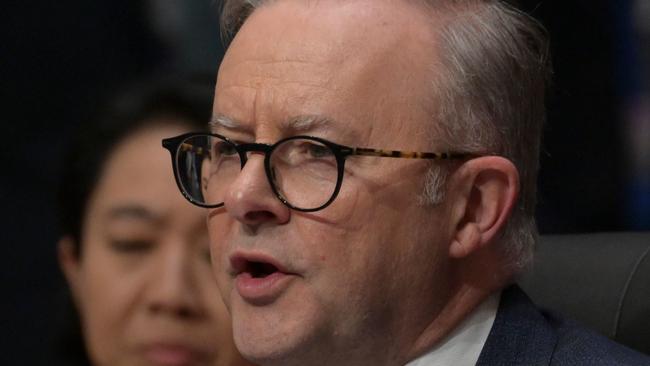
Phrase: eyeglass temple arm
{"type": "Point", "coordinates": [408, 154]}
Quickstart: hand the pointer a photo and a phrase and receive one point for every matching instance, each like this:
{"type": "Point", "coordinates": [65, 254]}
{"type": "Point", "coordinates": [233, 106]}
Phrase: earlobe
{"type": "Point", "coordinates": [491, 190]}
{"type": "Point", "coordinates": [69, 263]}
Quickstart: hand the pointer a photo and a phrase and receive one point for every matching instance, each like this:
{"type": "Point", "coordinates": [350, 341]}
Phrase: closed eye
{"type": "Point", "coordinates": [127, 246]}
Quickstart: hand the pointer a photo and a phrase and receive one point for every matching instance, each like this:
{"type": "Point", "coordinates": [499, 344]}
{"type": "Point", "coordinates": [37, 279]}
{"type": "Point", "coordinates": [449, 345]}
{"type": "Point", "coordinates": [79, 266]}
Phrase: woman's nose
{"type": "Point", "coordinates": [174, 288]}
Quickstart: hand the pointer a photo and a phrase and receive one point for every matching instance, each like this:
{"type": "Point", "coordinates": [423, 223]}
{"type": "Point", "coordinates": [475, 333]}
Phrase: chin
{"type": "Point", "coordinates": [279, 352]}
{"type": "Point", "coordinates": [264, 344]}
{"type": "Point", "coordinates": [275, 335]}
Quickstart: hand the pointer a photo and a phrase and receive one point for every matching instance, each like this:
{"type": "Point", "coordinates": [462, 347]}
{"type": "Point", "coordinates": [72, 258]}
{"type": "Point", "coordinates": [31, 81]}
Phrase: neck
{"type": "Point", "coordinates": [477, 277]}
{"type": "Point", "coordinates": [465, 300]}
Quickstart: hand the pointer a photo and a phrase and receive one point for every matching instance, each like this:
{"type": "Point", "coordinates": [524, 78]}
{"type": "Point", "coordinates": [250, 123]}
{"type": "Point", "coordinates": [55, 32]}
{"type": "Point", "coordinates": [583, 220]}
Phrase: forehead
{"type": "Point", "coordinates": [138, 155]}
{"type": "Point", "coordinates": [349, 60]}
{"type": "Point", "coordinates": [138, 172]}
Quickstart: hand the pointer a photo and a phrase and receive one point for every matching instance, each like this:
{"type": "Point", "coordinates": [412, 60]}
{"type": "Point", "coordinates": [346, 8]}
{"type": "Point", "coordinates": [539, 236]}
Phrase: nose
{"type": "Point", "coordinates": [175, 290]}
{"type": "Point", "coordinates": [251, 200]}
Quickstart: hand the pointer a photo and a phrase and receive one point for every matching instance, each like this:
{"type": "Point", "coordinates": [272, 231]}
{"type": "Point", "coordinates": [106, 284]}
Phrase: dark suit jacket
{"type": "Point", "coordinates": [524, 335]}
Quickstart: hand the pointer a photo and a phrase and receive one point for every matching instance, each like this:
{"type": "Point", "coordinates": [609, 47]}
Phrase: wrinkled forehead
{"type": "Point", "coordinates": [325, 42]}
{"type": "Point", "coordinates": [331, 29]}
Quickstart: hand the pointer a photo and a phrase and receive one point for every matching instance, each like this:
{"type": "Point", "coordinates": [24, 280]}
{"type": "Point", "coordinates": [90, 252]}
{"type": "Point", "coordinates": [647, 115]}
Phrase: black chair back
{"type": "Point", "coordinates": [601, 280]}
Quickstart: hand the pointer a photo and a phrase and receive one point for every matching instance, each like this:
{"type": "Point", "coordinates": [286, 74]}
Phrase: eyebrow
{"type": "Point", "coordinates": [221, 120]}
{"type": "Point", "coordinates": [295, 124]}
{"type": "Point", "coordinates": [132, 212]}
{"type": "Point", "coordinates": [308, 122]}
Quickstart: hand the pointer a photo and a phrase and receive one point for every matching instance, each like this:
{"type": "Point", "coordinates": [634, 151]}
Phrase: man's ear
{"type": "Point", "coordinates": [486, 193]}
{"type": "Point", "coordinates": [69, 262]}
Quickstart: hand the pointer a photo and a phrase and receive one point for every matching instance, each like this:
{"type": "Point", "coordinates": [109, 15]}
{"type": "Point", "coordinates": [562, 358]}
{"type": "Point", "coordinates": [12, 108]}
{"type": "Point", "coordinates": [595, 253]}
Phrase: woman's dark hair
{"type": "Point", "coordinates": [139, 105]}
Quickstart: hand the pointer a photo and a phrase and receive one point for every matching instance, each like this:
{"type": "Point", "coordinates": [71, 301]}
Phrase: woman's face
{"type": "Point", "coordinates": [143, 283]}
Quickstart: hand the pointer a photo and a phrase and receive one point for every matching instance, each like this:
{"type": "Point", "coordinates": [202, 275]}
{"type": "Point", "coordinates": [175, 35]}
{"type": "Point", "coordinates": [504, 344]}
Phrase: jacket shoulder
{"type": "Point", "coordinates": [577, 345]}
{"type": "Point", "coordinates": [522, 334]}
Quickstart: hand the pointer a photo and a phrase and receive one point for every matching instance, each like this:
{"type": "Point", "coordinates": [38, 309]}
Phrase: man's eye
{"type": "Point", "coordinates": [320, 151]}
{"type": "Point", "coordinates": [225, 149]}
{"type": "Point", "coordinates": [131, 246]}
{"type": "Point", "coordinates": [315, 150]}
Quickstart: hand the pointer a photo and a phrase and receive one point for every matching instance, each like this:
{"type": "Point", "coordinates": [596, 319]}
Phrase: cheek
{"type": "Point", "coordinates": [220, 315]}
{"type": "Point", "coordinates": [219, 227]}
{"type": "Point", "coordinates": [107, 299]}
{"type": "Point", "coordinates": [368, 233]}
{"type": "Point", "coordinates": [219, 328]}
{"type": "Point", "coordinates": [349, 245]}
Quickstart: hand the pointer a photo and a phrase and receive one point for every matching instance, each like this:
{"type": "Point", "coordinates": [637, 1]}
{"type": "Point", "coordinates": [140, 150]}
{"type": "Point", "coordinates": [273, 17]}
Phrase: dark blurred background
{"type": "Point", "coordinates": [59, 60]}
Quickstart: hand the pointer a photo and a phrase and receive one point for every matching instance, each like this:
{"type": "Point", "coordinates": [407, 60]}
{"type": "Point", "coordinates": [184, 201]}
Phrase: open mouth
{"type": "Point", "coordinates": [258, 278]}
{"type": "Point", "coordinates": [260, 269]}
{"type": "Point", "coordinates": [255, 268]}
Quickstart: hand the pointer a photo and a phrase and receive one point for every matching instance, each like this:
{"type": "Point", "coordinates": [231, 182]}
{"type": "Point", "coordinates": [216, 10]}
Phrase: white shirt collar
{"type": "Point", "coordinates": [464, 344]}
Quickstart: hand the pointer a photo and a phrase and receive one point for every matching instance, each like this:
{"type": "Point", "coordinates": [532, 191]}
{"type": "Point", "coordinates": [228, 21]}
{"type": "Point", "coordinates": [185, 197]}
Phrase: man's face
{"type": "Point", "coordinates": [363, 276]}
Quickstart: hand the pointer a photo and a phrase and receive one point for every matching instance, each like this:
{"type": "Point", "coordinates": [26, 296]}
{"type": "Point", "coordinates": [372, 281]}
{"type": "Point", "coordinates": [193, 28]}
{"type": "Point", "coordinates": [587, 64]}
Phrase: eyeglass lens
{"type": "Point", "coordinates": [304, 172]}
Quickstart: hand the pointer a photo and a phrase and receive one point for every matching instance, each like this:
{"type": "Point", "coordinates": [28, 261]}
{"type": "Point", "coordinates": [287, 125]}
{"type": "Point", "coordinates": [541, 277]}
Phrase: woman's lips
{"type": "Point", "coordinates": [170, 354]}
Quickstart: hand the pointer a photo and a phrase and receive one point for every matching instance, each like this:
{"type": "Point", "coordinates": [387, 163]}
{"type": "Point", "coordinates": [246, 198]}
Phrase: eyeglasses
{"type": "Point", "coordinates": [304, 172]}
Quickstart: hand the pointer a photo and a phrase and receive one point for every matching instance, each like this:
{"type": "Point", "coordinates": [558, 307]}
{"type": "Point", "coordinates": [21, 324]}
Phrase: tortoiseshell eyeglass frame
{"type": "Point", "coordinates": [341, 152]}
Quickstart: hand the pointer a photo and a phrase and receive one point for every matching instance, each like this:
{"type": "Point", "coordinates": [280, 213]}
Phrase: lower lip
{"type": "Point", "coordinates": [262, 290]}
{"type": "Point", "coordinates": [170, 355]}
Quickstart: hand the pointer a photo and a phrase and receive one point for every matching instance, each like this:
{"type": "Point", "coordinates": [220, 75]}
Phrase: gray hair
{"type": "Point", "coordinates": [490, 89]}
{"type": "Point", "coordinates": [495, 67]}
